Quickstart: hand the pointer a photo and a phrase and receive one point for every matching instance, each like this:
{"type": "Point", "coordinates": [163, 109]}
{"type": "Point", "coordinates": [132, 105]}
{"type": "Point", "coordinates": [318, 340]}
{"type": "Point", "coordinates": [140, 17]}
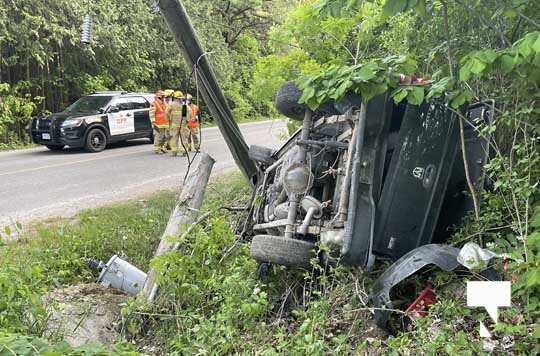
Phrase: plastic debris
{"type": "Point", "coordinates": [473, 256]}
{"type": "Point", "coordinates": [421, 304]}
{"type": "Point", "coordinates": [443, 256]}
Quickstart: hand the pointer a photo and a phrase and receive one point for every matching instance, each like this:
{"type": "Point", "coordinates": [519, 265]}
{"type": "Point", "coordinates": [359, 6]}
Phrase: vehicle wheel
{"type": "Point", "coordinates": [282, 250]}
{"type": "Point", "coordinates": [96, 140]}
{"type": "Point", "coordinates": [287, 103]}
{"type": "Point", "coordinates": [55, 147]}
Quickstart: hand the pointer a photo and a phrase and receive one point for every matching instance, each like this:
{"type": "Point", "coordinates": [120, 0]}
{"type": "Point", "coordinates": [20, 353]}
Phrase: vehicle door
{"type": "Point", "coordinates": [140, 107]}
{"type": "Point", "coordinates": [121, 119]}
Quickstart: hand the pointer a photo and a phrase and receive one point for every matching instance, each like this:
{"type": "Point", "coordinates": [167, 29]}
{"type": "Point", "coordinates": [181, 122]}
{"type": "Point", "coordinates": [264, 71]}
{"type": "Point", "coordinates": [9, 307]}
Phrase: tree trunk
{"type": "Point", "coordinates": [184, 213]}
{"type": "Point", "coordinates": [63, 88]}
{"type": "Point", "coordinates": [1, 61]}
{"type": "Point", "coordinates": [28, 69]}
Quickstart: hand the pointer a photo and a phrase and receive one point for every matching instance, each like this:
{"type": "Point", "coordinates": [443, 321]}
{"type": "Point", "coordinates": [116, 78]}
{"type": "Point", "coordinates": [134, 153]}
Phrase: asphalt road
{"type": "Point", "coordinates": [38, 183]}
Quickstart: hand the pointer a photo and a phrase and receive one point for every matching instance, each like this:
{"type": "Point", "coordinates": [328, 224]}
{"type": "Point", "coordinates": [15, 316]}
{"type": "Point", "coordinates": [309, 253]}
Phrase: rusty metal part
{"type": "Point", "coordinates": [312, 229]}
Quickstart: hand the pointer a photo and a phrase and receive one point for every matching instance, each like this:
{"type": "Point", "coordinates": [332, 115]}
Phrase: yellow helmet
{"type": "Point", "coordinates": [168, 92]}
{"type": "Point", "coordinates": [178, 94]}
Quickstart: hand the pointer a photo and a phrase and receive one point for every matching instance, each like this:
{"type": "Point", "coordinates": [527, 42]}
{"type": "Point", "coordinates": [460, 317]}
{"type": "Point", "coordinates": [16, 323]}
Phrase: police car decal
{"type": "Point", "coordinates": [121, 123]}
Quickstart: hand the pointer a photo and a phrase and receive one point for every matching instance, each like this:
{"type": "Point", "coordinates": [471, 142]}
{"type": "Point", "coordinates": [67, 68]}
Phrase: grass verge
{"type": "Point", "coordinates": [212, 300]}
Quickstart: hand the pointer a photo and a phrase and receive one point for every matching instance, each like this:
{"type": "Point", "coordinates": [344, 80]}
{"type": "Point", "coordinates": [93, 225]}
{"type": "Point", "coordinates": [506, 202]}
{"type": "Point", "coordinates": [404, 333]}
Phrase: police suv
{"type": "Point", "coordinates": [96, 120]}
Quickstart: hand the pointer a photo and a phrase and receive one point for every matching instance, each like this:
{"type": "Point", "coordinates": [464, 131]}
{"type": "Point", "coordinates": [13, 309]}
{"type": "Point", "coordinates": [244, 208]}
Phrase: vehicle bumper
{"type": "Point", "coordinates": [69, 137]}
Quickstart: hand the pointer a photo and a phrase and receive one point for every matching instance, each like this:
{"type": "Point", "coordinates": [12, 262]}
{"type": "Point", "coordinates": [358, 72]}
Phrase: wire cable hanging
{"type": "Point", "coordinates": [194, 73]}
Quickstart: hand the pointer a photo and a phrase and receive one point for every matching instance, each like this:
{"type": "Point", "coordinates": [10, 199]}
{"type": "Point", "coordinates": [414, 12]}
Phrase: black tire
{"type": "Point", "coordinates": [55, 147]}
{"type": "Point", "coordinates": [287, 103]}
{"type": "Point", "coordinates": [96, 140]}
{"type": "Point", "coordinates": [282, 250]}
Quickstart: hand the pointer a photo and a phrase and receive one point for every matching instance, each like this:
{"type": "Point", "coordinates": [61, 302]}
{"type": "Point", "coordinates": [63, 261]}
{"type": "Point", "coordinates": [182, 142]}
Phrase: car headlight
{"type": "Point", "coordinates": [71, 123]}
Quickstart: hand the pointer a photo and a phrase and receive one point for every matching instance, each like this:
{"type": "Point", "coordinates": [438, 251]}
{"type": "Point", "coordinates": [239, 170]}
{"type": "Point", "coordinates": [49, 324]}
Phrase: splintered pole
{"type": "Point", "coordinates": [184, 214]}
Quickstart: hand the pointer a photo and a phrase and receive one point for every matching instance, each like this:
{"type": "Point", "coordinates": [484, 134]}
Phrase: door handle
{"type": "Point", "coordinates": [129, 114]}
{"type": "Point", "coordinates": [429, 176]}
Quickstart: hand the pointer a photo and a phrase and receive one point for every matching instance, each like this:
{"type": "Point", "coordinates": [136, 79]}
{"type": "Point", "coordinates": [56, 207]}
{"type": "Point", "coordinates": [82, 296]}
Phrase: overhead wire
{"type": "Point", "coordinates": [194, 73]}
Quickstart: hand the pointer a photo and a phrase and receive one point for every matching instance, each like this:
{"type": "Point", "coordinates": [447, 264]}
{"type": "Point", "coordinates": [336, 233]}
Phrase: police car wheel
{"type": "Point", "coordinates": [96, 140]}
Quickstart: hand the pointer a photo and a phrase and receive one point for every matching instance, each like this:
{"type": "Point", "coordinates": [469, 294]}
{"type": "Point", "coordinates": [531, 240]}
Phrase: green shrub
{"type": "Point", "coordinates": [15, 113]}
{"type": "Point", "coordinates": [15, 344]}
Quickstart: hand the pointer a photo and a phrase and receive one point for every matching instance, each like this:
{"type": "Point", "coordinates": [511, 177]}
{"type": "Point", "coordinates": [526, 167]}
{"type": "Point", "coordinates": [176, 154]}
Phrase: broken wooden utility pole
{"type": "Point", "coordinates": [184, 213]}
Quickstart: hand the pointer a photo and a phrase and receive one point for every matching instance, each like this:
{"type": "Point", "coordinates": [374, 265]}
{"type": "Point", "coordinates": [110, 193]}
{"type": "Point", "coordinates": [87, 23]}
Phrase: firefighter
{"type": "Point", "coordinates": [168, 96]}
{"type": "Point", "coordinates": [178, 132]}
{"type": "Point", "coordinates": [160, 124]}
{"type": "Point", "coordinates": [193, 123]}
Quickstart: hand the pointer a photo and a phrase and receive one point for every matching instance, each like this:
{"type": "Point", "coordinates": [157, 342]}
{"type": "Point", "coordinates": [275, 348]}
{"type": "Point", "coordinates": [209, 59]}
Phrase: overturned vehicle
{"type": "Point", "coordinates": [369, 180]}
{"type": "Point", "coordinates": [378, 179]}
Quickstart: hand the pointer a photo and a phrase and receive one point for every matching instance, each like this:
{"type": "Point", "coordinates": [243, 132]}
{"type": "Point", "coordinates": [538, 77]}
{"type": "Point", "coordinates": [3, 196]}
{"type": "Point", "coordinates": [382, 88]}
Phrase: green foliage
{"type": "Point", "coordinates": [307, 43]}
{"type": "Point", "coordinates": [393, 7]}
{"type": "Point", "coordinates": [15, 114]}
{"type": "Point", "coordinates": [232, 311]}
{"type": "Point", "coordinates": [212, 300]}
{"type": "Point", "coordinates": [215, 288]}
{"type": "Point", "coordinates": [15, 344]}
{"type": "Point", "coordinates": [367, 80]}
{"type": "Point", "coordinates": [467, 57]}
{"type": "Point", "coordinates": [439, 333]}
{"type": "Point", "coordinates": [528, 282]}
{"type": "Point", "coordinates": [132, 49]}
{"type": "Point", "coordinates": [522, 60]}
{"type": "Point", "coordinates": [272, 71]}
{"type": "Point", "coordinates": [337, 7]}
{"type": "Point", "coordinates": [212, 281]}
{"type": "Point", "coordinates": [20, 303]}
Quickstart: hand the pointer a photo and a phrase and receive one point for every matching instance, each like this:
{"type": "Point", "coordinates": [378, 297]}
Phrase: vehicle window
{"type": "Point", "coordinates": [125, 104]}
{"type": "Point", "coordinates": [122, 104]}
{"type": "Point", "coordinates": [89, 104]}
{"type": "Point", "coordinates": [115, 102]}
{"type": "Point", "coordinates": [138, 102]}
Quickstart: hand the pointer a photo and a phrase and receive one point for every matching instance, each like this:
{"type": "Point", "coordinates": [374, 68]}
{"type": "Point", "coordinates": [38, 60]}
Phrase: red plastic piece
{"type": "Point", "coordinates": [421, 304]}
{"type": "Point", "coordinates": [412, 80]}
